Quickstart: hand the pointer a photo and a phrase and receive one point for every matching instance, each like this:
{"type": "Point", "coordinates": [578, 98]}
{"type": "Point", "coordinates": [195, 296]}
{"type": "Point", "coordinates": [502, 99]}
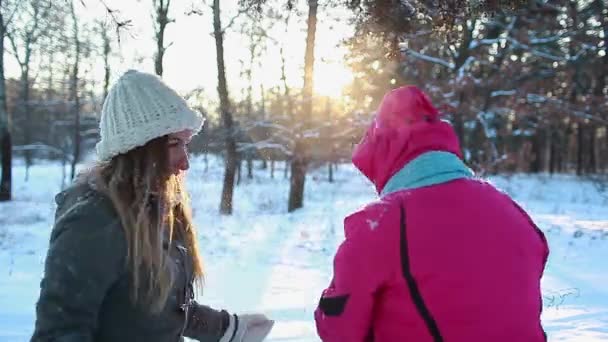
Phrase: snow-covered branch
{"type": "Point", "coordinates": [475, 43]}
{"type": "Point", "coordinates": [265, 124]}
{"type": "Point", "coordinates": [550, 39]}
{"type": "Point", "coordinates": [462, 70]}
{"type": "Point", "coordinates": [528, 47]}
{"type": "Point", "coordinates": [41, 147]}
{"type": "Point", "coordinates": [497, 93]}
{"type": "Point", "coordinates": [537, 98]}
{"type": "Point", "coordinates": [427, 58]}
{"type": "Point", "coordinates": [265, 144]}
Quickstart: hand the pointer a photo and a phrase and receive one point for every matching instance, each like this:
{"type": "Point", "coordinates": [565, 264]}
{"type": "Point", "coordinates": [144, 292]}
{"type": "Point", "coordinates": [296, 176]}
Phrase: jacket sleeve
{"type": "Point", "coordinates": [541, 235]}
{"type": "Point", "coordinates": [86, 256]}
{"type": "Point", "coordinates": [344, 312]}
{"type": "Point", "coordinates": [206, 324]}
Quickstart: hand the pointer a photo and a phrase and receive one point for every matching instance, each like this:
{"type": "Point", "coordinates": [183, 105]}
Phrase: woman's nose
{"type": "Point", "coordinates": [184, 163]}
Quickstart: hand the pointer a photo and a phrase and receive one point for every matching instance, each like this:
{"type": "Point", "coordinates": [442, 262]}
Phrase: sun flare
{"type": "Point", "coordinates": [330, 79]}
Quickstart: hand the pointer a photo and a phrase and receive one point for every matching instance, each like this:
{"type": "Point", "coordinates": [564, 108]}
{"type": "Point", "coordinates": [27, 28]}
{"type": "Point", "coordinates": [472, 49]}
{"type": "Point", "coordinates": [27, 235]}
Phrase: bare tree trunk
{"type": "Point", "coordinates": [5, 124]}
{"type": "Point", "coordinates": [63, 174]}
{"type": "Point", "coordinates": [327, 130]}
{"type": "Point", "coordinates": [553, 153]}
{"type": "Point", "coordinates": [50, 80]}
{"type": "Point", "coordinates": [263, 113]}
{"type": "Point", "coordinates": [25, 107]}
{"type": "Point", "coordinates": [29, 38]}
{"type": "Point", "coordinates": [226, 115]}
{"type": "Point", "coordinates": [561, 144]}
{"type": "Point", "coordinates": [592, 165]}
{"type": "Point", "coordinates": [599, 93]}
{"type": "Point", "coordinates": [6, 150]}
{"type": "Point", "coordinates": [74, 94]}
{"type": "Point", "coordinates": [249, 150]}
{"type": "Point", "coordinates": [249, 165]}
{"type": "Point", "coordinates": [298, 177]}
{"type": "Point", "coordinates": [107, 49]}
{"type": "Point", "coordinates": [239, 168]}
{"type": "Point", "coordinates": [286, 92]}
{"type": "Point", "coordinates": [547, 149]}
{"type": "Point", "coordinates": [272, 168]}
{"type": "Point", "coordinates": [206, 159]}
{"type": "Point", "coordinates": [477, 140]}
{"type": "Point", "coordinates": [459, 125]}
{"type": "Point", "coordinates": [161, 20]}
{"type": "Point", "coordinates": [287, 95]}
{"type": "Point", "coordinates": [580, 132]}
{"type": "Point", "coordinates": [536, 164]}
{"type": "Point", "coordinates": [249, 72]}
{"type": "Point", "coordinates": [300, 156]}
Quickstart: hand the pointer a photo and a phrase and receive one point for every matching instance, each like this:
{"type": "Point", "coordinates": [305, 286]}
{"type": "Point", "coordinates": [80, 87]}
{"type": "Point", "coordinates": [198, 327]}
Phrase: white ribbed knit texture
{"type": "Point", "coordinates": [140, 108]}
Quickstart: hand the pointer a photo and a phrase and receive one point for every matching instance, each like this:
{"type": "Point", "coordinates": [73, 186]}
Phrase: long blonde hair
{"type": "Point", "coordinates": [151, 203]}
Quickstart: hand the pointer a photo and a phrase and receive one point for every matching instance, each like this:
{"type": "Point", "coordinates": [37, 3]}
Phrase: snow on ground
{"type": "Point", "coordinates": [262, 259]}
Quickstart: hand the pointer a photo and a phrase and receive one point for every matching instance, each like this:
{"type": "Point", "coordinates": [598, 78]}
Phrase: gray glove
{"type": "Point", "coordinates": [247, 328]}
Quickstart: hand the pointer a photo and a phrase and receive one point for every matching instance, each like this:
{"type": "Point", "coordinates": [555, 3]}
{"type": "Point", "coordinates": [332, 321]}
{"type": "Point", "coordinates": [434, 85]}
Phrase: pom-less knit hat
{"type": "Point", "coordinates": [140, 108]}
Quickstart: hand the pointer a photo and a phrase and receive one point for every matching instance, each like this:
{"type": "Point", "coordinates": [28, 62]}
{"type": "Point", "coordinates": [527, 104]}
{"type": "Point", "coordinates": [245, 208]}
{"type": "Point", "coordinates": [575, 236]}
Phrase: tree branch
{"type": "Point", "coordinates": [233, 19]}
{"type": "Point", "coordinates": [11, 38]}
{"type": "Point", "coordinates": [168, 46]}
{"type": "Point", "coordinates": [550, 39]}
{"type": "Point", "coordinates": [497, 93]}
{"type": "Point", "coordinates": [264, 144]}
{"type": "Point", "coordinates": [262, 32]}
{"type": "Point", "coordinates": [520, 45]}
{"type": "Point", "coordinates": [194, 11]}
{"type": "Point", "coordinates": [12, 15]}
{"type": "Point", "coordinates": [537, 98]}
{"type": "Point", "coordinates": [120, 24]}
{"type": "Point", "coordinates": [41, 147]}
{"type": "Point", "coordinates": [428, 58]}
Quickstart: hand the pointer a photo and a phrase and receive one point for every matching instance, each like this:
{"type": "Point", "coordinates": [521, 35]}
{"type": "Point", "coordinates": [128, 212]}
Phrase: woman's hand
{"type": "Point", "coordinates": [247, 328]}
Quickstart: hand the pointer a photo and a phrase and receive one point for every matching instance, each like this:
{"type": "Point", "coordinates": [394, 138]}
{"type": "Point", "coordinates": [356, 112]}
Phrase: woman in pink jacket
{"type": "Point", "coordinates": [441, 255]}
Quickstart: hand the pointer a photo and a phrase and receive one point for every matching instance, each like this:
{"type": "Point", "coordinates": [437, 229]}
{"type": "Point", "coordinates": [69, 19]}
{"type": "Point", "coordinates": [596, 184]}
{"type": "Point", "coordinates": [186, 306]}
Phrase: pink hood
{"type": "Point", "coordinates": [405, 126]}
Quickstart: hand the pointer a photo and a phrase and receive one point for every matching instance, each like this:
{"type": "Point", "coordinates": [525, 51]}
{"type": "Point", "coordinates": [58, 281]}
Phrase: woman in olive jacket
{"type": "Point", "coordinates": [123, 260]}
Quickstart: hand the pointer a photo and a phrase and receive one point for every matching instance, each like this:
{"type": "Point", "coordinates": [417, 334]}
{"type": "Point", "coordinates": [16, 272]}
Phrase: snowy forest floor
{"type": "Point", "coordinates": [263, 259]}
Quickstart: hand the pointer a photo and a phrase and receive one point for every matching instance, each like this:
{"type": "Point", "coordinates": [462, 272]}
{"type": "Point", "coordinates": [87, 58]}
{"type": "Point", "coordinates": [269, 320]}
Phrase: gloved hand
{"type": "Point", "coordinates": [247, 328]}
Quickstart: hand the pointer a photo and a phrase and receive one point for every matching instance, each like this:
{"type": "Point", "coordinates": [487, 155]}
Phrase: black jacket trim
{"type": "Point", "coordinates": [333, 306]}
{"type": "Point", "coordinates": [415, 294]}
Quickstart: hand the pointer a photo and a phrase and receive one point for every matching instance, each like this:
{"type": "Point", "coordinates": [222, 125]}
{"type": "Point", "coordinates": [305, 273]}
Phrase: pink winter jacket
{"type": "Point", "coordinates": [441, 256]}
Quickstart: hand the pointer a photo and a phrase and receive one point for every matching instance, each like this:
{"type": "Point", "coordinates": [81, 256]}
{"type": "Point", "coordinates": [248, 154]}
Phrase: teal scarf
{"type": "Point", "coordinates": [429, 168]}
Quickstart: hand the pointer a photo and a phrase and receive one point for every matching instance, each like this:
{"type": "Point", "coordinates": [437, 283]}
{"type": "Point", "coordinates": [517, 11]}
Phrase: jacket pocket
{"type": "Point", "coordinates": [333, 306]}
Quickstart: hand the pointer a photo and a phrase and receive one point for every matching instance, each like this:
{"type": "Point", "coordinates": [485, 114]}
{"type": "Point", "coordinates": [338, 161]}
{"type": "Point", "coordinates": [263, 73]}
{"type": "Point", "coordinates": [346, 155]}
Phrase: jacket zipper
{"type": "Point", "coordinates": [188, 290]}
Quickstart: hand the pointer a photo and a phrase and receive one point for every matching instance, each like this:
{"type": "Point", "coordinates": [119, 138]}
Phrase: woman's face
{"type": "Point", "coordinates": [178, 151]}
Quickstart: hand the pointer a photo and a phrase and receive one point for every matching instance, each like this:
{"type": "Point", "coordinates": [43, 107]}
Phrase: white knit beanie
{"type": "Point", "coordinates": [140, 108]}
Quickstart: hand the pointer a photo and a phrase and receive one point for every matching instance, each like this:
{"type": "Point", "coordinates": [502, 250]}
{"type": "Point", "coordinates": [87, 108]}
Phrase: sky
{"type": "Point", "coordinates": [190, 62]}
